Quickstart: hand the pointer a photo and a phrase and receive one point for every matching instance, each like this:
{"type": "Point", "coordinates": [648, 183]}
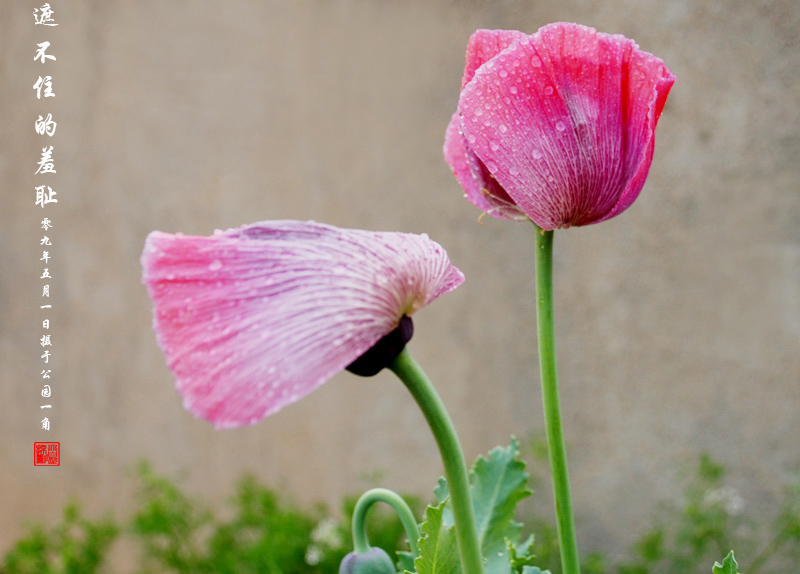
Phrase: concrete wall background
{"type": "Point", "coordinates": [678, 322]}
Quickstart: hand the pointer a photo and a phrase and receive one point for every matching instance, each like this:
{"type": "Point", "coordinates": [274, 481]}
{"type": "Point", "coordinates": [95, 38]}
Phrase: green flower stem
{"type": "Point", "coordinates": [552, 410]}
{"type": "Point", "coordinates": [455, 468]}
{"type": "Point", "coordinates": [404, 512]}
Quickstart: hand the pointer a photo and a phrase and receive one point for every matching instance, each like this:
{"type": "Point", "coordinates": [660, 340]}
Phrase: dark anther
{"type": "Point", "coordinates": [384, 351]}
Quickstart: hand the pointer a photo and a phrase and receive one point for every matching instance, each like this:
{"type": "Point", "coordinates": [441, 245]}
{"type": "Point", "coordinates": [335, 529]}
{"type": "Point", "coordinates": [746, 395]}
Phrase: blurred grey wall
{"type": "Point", "coordinates": [678, 323]}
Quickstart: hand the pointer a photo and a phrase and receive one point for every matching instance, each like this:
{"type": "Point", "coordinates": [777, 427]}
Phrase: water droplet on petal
{"type": "Point", "coordinates": [536, 61]}
{"type": "Point", "coordinates": [491, 166]}
{"type": "Point", "coordinates": [503, 74]}
{"type": "Point", "coordinates": [560, 126]}
{"type": "Point", "coordinates": [503, 128]}
{"type": "Point", "coordinates": [216, 265]}
{"type": "Point", "coordinates": [513, 170]}
{"type": "Point", "coordinates": [548, 91]}
{"type": "Point", "coordinates": [471, 138]}
{"type": "Point", "coordinates": [537, 154]}
{"type": "Point", "coordinates": [478, 112]}
{"type": "Point", "coordinates": [513, 89]}
{"type": "Point", "coordinates": [494, 146]}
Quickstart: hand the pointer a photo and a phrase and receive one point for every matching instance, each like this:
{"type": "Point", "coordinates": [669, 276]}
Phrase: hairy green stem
{"type": "Point", "coordinates": [404, 512]}
{"type": "Point", "coordinates": [552, 410]}
{"type": "Point", "coordinates": [455, 468]}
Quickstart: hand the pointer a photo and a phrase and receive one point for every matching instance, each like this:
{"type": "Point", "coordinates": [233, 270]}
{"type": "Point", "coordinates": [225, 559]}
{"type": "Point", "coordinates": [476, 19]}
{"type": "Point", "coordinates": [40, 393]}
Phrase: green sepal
{"type": "Point", "coordinates": [374, 561]}
{"type": "Point", "coordinates": [728, 566]}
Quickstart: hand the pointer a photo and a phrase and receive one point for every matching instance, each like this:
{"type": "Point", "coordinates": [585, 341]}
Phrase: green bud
{"type": "Point", "coordinates": [375, 561]}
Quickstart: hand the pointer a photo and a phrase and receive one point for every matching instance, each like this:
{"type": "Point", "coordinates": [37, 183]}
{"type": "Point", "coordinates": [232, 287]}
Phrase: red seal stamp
{"type": "Point", "coordinates": [47, 454]}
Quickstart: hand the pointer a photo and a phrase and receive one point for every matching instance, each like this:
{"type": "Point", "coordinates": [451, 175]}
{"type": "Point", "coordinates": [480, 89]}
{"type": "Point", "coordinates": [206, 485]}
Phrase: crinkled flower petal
{"type": "Point", "coordinates": [479, 186]}
{"type": "Point", "coordinates": [253, 319]}
{"type": "Point", "coordinates": [564, 121]}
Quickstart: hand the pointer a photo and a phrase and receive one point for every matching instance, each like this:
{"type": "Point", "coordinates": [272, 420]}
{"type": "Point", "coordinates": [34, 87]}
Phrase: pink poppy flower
{"type": "Point", "coordinates": [557, 127]}
{"type": "Point", "coordinates": [253, 319]}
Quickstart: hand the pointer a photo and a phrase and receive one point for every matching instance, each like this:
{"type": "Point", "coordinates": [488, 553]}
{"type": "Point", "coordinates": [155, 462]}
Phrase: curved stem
{"type": "Point", "coordinates": [455, 468]}
{"type": "Point", "coordinates": [404, 512]}
{"type": "Point", "coordinates": [552, 410]}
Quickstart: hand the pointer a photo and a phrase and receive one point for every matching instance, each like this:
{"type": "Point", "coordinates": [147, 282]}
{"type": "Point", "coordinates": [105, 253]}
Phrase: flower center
{"type": "Point", "coordinates": [382, 353]}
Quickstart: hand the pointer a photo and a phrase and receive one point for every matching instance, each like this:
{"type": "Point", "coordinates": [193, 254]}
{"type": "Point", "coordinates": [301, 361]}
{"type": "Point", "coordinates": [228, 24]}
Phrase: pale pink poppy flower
{"type": "Point", "coordinates": [253, 319]}
{"type": "Point", "coordinates": [558, 127]}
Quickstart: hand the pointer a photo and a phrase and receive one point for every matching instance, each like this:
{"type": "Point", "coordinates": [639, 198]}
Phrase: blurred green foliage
{"type": "Point", "coordinates": [690, 536]}
{"type": "Point", "coordinates": [75, 546]}
{"type": "Point", "coordinates": [265, 533]}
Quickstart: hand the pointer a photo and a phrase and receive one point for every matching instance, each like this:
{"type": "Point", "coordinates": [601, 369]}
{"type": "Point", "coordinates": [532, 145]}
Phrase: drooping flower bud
{"type": "Point", "coordinates": [375, 561]}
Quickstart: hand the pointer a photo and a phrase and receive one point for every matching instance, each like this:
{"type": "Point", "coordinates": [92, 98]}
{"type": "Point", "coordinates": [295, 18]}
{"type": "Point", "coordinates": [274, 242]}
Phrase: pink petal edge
{"type": "Point", "coordinates": [564, 120]}
{"type": "Point", "coordinates": [255, 318]}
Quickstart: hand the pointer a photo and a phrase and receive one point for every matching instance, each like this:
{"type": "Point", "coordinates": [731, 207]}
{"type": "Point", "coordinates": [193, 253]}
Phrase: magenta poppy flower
{"type": "Point", "coordinates": [253, 319]}
{"type": "Point", "coordinates": [557, 127]}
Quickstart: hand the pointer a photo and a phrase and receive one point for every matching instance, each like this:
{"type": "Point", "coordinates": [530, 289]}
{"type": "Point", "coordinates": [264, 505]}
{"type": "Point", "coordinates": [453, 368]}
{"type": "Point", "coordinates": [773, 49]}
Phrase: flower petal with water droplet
{"type": "Point", "coordinates": [277, 308]}
{"type": "Point", "coordinates": [569, 124]}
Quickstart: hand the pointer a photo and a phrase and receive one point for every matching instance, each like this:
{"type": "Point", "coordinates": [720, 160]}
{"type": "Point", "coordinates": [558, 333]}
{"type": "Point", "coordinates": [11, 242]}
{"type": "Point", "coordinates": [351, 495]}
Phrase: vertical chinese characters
{"type": "Point", "coordinates": [45, 197]}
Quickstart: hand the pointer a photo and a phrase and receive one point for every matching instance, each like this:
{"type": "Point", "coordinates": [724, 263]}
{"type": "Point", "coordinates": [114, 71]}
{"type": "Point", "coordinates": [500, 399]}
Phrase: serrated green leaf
{"type": "Point", "coordinates": [499, 482]}
{"type": "Point", "coordinates": [520, 555]}
{"type": "Point", "coordinates": [442, 494]}
{"type": "Point", "coordinates": [405, 561]}
{"type": "Point", "coordinates": [728, 566]}
{"type": "Point", "coordinates": [438, 549]}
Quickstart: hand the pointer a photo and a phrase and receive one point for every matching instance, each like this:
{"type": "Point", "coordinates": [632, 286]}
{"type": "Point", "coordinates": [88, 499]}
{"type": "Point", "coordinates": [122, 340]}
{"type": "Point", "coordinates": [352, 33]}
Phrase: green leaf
{"type": "Point", "coordinates": [405, 561]}
{"type": "Point", "coordinates": [498, 484]}
{"type": "Point", "coordinates": [438, 549]}
{"type": "Point", "coordinates": [534, 570]}
{"type": "Point", "coordinates": [728, 566]}
{"type": "Point", "coordinates": [520, 555]}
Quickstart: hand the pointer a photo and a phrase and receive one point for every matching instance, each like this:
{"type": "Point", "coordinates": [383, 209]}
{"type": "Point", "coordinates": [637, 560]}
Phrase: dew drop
{"type": "Point", "coordinates": [537, 154]}
{"type": "Point", "coordinates": [548, 91]}
{"type": "Point", "coordinates": [560, 126]}
{"type": "Point", "coordinates": [513, 170]}
{"type": "Point", "coordinates": [471, 138]}
{"type": "Point", "coordinates": [503, 74]}
{"type": "Point", "coordinates": [536, 61]}
{"type": "Point", "coordinates": [491, 165]}
{"type": "Point", "coordinates": [494, 146]}
{"type": "Point", "coordinates": [503, 128]}
{"type": "Point", "coordinates": [216, 265]}
{"type": "Point", "coordinates": [478, 112]}
{"type": "Point", "coordinates": [506, 100]}
{"type": "Point", "coordinates": [513, 89]}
